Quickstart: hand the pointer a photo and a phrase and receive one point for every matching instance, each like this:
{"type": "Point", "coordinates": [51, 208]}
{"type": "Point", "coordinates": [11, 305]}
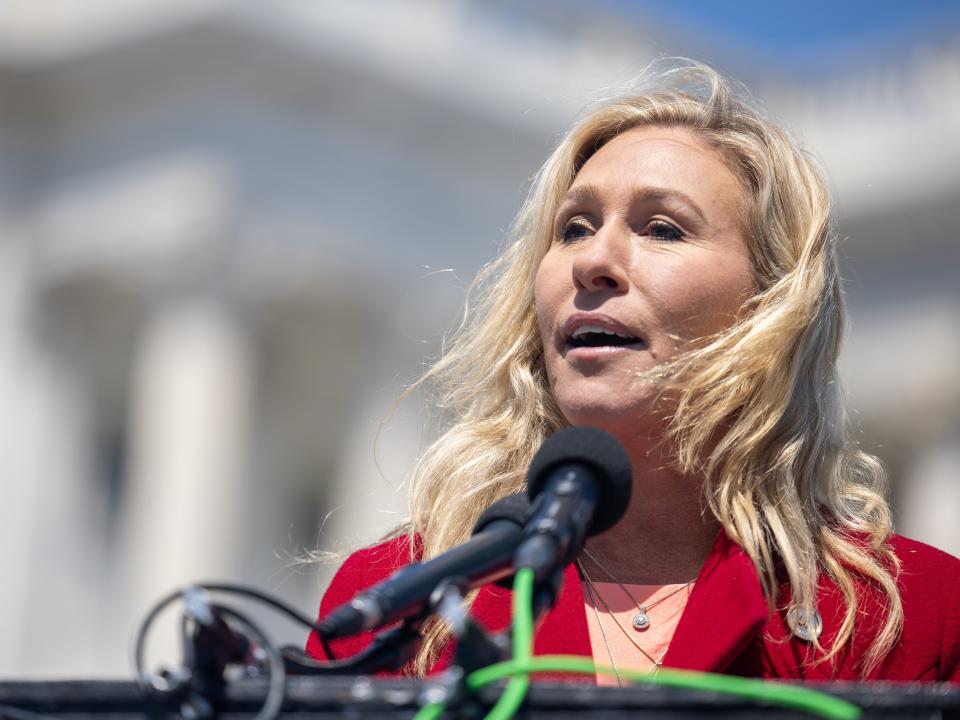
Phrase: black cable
{"type": "Point", "coordinates": [278, 605]}
{"type": "Point", "coordinates": [140, 639]}
{"type": "Point", "coordinates": [327, 650]}
{"type": "Point", "coordinates": [228, 588]}
{"type": "Point", "coordinates": [273, 703]}
{"type": "Point", "coordinates": [262, 597]}
{"type": "Point", "coordinates": [275, 694]}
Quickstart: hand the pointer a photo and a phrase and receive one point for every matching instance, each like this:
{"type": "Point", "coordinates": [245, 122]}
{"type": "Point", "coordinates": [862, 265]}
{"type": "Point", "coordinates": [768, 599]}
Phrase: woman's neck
{"type": "Point", "coordinates": [665, 535]}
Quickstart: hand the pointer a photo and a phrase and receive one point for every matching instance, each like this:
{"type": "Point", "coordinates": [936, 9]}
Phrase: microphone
{"type": "Point", "coordinates": [484, 558]}
{"type": "Point", "coordinates": [580, 481]}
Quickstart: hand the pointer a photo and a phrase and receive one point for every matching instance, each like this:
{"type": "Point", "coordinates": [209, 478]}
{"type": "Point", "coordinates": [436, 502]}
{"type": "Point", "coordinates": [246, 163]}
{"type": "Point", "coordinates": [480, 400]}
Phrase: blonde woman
{"type": "Point", "coordinates": [672, 279]}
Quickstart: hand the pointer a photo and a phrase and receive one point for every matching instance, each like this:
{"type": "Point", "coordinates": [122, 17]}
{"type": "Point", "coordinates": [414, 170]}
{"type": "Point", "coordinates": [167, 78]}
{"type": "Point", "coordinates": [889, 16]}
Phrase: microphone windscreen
{"type": "Point", "coordinates": [514, 508]}
{"type": "Point", "coordinates": [602, 453]}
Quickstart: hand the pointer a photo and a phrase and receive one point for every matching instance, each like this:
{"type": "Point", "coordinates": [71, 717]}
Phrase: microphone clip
{"type": "Point", "coordinates": [475, 647]}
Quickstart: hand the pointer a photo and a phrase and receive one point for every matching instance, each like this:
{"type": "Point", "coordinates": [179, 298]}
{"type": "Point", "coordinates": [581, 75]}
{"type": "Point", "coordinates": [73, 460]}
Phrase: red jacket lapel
{"type": "Point", "coordinates": [727, 606]}
{"type": "Point", "coordinates": [564, 629]}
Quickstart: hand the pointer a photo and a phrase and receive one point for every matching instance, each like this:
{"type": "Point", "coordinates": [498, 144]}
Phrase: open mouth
{"type": "Point", "coordinates": [591, 336]}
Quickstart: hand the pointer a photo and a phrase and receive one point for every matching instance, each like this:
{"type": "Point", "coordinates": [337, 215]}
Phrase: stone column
{"type": "Point", "coordinates": [191, 396]}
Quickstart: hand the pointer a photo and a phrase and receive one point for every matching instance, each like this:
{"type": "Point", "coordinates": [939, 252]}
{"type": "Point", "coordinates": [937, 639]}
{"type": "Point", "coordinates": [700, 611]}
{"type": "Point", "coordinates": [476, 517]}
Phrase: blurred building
{"type": "Point", "coordinates": [231, 232]}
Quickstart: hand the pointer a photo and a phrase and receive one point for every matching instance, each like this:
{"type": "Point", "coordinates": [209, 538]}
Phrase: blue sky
{"type": "Point", "coordinates": [809, 28]}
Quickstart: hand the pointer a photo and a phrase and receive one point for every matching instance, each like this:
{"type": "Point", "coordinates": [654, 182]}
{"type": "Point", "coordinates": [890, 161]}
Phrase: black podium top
{"type": "Point", "coordinates": [364, 698]}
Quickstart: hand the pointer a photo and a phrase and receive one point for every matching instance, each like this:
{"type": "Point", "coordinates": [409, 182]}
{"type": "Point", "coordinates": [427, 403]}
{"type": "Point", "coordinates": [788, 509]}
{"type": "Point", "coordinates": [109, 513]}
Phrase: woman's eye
{"type": "Point", "coordinates": [574, 230]}
{"type": "Point", "coordinates": [660, 230]}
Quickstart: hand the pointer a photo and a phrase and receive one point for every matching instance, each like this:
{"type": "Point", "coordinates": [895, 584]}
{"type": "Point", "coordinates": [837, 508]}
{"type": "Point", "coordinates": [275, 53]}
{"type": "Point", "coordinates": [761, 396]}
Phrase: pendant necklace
{"type": "Point", "coordinates": [594, 596]}
{"type": "Point", "coordinates": [641, 621]}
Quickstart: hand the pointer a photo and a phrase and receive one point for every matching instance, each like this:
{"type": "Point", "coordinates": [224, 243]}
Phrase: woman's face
{"type": "Point", "coordinates": [649, 255]}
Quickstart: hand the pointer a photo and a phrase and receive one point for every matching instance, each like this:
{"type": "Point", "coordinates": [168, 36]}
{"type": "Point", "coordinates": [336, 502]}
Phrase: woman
{"type": "Point", "coordinates": [672, 279]}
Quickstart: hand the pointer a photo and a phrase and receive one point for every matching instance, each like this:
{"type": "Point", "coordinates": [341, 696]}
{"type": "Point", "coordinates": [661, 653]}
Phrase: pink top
{"type": "Point", "coordinates": [607, 639]}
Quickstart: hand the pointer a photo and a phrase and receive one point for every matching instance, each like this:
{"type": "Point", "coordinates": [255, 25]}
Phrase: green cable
{"type": "Point", "coordinates": [791, 696]}
{"type": "Point", "coordinates": [511, 699]}
{"type": "Point", "coordinates": [431, 711]}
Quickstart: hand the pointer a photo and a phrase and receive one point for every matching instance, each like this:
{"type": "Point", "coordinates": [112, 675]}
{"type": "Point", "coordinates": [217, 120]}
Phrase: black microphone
{"type": "Point", "coordinates": [580, 481]}
{"type": "Point", "coordinates": [482, 559]}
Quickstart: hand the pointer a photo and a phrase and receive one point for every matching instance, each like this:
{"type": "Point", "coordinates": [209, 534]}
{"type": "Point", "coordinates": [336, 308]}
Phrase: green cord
{"type": "Point", "coordinates": [511, 699]}
{"type": "Point", "coordinates": [431, 711]}
{"type": "Point", "coordinates": [523, 663]}
{"type": "Point", "coordinates": [774, 693]}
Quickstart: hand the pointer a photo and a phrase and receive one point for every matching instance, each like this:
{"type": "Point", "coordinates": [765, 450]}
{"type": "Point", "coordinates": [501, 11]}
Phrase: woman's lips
{"type": "Point", "coordinates": [584, 352]}
{"type": "Point", "coordinates": [596, 335]}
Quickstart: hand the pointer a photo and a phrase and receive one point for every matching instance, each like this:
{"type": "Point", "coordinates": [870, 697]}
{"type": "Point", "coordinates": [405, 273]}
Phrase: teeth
{"type": "Point", "coordinates": [584, 329]}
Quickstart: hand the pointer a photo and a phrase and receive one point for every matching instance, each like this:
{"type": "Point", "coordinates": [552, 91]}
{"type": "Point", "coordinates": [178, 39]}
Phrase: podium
{"type": "Point", "coordinates": [366, 698]}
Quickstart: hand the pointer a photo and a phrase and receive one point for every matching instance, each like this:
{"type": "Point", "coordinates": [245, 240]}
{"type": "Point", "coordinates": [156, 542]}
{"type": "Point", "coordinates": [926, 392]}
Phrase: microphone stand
{"type": "Point", "coordinates": [394, 648]}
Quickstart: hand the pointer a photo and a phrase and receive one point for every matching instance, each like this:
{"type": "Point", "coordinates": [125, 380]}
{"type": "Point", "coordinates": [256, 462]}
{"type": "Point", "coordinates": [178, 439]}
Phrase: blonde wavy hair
{"type": "Point", "coordinates": [759, 410]}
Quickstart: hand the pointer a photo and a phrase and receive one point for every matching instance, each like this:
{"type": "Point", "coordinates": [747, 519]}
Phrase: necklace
{"type": "Point", "coordinates": [594, 596]}
{"type": "Point", "coordinates": [603, 633]}
{"type": "Point", "coordinates": [641, 621]}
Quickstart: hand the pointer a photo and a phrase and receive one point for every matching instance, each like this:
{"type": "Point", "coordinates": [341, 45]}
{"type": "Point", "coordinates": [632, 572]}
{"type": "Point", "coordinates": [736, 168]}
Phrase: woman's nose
{"type": "Point", "coordinates": [600, 263]}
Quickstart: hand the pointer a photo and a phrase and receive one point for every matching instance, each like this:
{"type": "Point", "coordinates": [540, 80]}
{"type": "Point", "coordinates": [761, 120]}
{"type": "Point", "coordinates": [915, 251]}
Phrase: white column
{"type": "Point", "coordinates": [191, 395]}
{"type": "Point", "coordinates": [51, 516]}
{"type": "Point", "coordinates": [931, 497]}
{"type": "Point", "coordinates": [19, 496]}
{"type": "Point", "coordinates": [369, 496]}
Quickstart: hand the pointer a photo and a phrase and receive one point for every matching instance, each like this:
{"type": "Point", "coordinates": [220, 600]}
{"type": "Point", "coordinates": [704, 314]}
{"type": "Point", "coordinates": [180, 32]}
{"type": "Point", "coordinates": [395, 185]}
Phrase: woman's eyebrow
{"type": "Point", "coordinates": [659, 193]}
{"type": "Point", "coordinates": [590, 194]}
{"type": "Point", "coordinates": [582, 194]}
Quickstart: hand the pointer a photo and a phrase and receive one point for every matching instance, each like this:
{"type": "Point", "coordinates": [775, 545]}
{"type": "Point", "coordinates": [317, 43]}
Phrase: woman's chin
{"type": "Point", "coordinates": [617, 418]}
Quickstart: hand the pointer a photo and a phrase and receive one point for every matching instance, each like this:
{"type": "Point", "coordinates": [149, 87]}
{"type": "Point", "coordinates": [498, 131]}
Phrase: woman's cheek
{"type": "Point", "coordinates": [691, 311]}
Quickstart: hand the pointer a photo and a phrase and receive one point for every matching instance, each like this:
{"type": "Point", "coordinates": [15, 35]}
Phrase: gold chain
{"type": "Point", "coordinates": [642, 609]}
{"type": "Point", "coordinates": [593, 594]}
{"type": "Point", "coordinates": [603, 633]}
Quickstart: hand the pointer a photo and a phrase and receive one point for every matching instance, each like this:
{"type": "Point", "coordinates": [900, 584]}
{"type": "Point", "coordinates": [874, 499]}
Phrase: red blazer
{"type": "Point", "coordinates": [726, 626]}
